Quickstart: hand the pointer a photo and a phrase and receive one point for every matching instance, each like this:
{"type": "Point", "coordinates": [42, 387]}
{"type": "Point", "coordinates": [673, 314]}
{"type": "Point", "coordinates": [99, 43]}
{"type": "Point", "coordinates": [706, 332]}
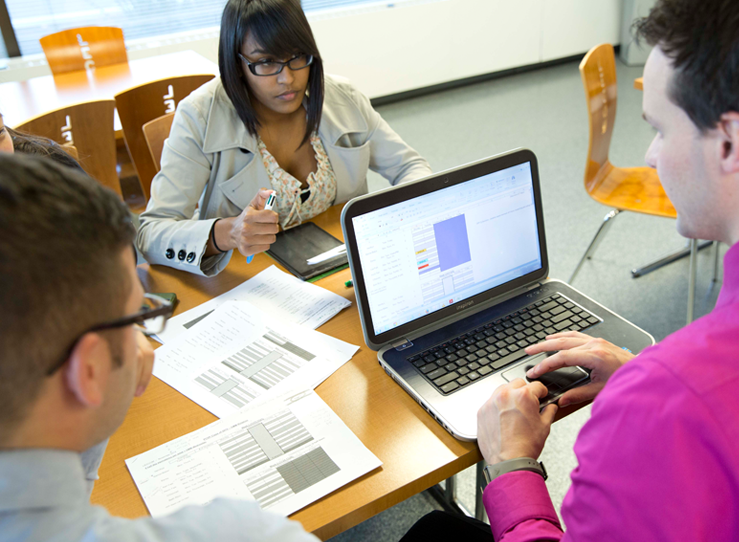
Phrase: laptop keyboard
{"type": "Point", "coordinates": [474, 355]}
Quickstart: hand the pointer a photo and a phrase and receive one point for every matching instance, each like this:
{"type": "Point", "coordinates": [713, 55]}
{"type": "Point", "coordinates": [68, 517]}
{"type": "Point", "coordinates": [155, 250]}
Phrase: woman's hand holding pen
{"type": "Point", "coordinates": [253, 231]}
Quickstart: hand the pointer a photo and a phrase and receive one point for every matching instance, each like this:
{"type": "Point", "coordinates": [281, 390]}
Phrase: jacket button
{"type": "Point", "coordinates": [191, 257]}
{"type": "Point", "coordinates": [181, 255]}
{"type": "Point", "coordinates": [169, 254]}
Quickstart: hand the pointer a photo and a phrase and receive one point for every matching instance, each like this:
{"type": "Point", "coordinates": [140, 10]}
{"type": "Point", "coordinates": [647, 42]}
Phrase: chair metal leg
{"type": "Point", "coordinates": [480, 513]}
{"type": "Point", "coordinates": [447, 497]}
{"type": "Point", "coordinates": [668, 259]}
{"type": "Point", "coordinates": [607, 221]}
{"type": "Point", "coordinates": [716, 258]}
{"type": "Point", "coordinates": [691, 281]}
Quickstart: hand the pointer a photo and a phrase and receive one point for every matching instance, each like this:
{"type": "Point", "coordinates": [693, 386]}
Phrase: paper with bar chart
{"type": "Point", "coordinates": [240, 354]}
{"type": "Point", "coordinates": [277, 293]}
{"type": "Point", "coordinates": [284, 453]}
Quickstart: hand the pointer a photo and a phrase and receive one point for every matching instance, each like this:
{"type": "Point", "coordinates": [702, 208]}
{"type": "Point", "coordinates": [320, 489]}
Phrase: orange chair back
{"type": "Point", "coordinates": [598, 72]}
{"type": "Point", "coordinates": [88, 127]}
{"type": "Point", "coordinates": [84, 48]}
{"type": "Point", "coordinates": [155, 132]}
{"type": "Point", "coordinates": [139, 105]}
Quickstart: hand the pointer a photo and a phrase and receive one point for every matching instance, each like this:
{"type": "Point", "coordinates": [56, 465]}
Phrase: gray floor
{"type": "Point", "coordinates": [544, 110]}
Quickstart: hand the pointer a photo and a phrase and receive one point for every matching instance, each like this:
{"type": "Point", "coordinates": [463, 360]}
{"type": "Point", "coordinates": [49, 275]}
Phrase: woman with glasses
{"type": "Point", "coordinates": [272, 122]}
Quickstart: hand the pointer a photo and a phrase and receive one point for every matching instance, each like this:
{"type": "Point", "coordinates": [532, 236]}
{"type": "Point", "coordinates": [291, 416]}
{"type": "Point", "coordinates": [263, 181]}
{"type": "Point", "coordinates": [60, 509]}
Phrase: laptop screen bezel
{"type": "Point", "coordinates": [404, 192]}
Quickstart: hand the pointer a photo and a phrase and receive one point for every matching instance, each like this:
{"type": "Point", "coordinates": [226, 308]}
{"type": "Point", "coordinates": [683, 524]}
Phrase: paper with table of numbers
{"type": "Point", "coordinates": [273, 291]}
{"type": "Point", "coordinates": [240, 354]}
{"type": "Point", "coordinates": [284, 453]}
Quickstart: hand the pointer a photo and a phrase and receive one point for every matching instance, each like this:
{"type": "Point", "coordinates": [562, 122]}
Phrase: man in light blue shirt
{"type": "Point", "coordinates": [71, 361]}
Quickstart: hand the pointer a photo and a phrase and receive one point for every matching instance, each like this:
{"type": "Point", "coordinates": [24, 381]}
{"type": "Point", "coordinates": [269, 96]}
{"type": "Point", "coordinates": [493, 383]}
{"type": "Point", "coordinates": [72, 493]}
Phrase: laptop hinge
{"type": "Point", "coordinates": [401, 344]}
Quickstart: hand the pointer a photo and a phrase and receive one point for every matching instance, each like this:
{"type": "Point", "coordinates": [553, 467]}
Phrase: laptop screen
{"type": "Point", "coordinates": [428, 252]}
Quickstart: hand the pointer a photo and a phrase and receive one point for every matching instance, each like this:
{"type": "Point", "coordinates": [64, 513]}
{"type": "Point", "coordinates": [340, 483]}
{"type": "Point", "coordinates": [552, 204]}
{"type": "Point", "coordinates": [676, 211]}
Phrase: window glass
{"type": "Point", "coordinates": [33, 19]}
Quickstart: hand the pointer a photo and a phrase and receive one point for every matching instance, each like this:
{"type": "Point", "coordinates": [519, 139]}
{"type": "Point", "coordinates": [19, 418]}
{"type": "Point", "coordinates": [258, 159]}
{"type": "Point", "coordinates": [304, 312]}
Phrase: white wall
{"type": "Point", "coordinates": [391, 50]}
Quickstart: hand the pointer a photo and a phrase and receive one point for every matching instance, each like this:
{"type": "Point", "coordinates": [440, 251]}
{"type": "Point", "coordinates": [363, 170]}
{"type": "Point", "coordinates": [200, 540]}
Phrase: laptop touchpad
{"type": "Point", "coordinates": [519, 371]}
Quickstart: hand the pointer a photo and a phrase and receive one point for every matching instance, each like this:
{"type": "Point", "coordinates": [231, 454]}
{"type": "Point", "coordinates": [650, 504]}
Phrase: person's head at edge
{"type": "Point", "coordinates": [263, 31]}
{"type": "Point", "coordinates": [49, 298]}
{"type": "Point", "coordinates": [15, 141]}
{"type": "Point", "coordinates": [691, 97]}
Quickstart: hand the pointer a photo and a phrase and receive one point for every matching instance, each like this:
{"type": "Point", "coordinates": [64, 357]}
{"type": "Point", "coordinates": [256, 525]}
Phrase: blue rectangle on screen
{"type": "Point", "coordinates": [452, 244]}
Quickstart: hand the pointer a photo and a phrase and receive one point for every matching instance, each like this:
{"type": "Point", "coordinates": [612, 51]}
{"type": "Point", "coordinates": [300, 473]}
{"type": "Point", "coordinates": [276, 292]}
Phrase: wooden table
{"type": "Point", "coordinates": [415, 451]}
{"type": "Point", "coordinates": [23, 100]}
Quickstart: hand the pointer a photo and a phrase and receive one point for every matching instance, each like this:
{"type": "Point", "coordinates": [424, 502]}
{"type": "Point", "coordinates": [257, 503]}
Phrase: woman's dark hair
{"type": "Point", "coordinates": [281, 28]}
{"type": "Point", "coordinates": [41, 146]}
{"type": "Point", "coordinates": [702, 40]}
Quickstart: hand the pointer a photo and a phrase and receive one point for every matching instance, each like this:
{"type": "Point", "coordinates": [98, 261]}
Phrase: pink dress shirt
{"type": "Point", "coordinates": [659, 458]}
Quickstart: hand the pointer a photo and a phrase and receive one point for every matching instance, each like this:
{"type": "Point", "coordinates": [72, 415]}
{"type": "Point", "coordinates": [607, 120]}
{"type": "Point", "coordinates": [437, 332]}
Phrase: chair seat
{"type": "Point", "coordinates": [636, 189]}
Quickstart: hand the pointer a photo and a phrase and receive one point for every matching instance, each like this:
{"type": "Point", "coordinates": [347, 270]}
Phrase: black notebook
{"type": "Point", "coordinates": [295, 246]}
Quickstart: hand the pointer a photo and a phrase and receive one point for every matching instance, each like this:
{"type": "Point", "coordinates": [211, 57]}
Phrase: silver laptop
{"type": "Point", "coordinates": [450, 274]}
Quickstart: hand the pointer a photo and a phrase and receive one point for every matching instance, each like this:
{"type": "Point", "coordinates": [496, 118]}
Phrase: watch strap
{"type": "Point", "coordinates": [491, 472]}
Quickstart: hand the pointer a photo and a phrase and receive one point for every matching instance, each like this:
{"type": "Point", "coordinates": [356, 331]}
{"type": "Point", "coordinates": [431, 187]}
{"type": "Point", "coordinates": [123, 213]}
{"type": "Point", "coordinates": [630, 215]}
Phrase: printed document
{"type": "Point", "coordinates": [275, 292]}
{"type": "Point", "coordinates": [285, 453]}
{"type": "Point", "coordinates": [240, 353]}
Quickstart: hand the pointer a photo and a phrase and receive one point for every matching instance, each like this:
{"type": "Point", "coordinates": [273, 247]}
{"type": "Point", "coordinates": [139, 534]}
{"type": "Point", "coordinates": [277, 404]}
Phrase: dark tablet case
{"type": "Point", "coordinates": [295, 246]}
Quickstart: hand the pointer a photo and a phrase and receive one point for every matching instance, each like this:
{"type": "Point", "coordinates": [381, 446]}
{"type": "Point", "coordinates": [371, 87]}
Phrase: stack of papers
{"type": "Point", "coordinates": [240, 353]}
{"type": "Point", "coordinates": [252, 357]}
{"type": "Point", "coordinates": [279, 294]}
{"type": "Point", "coordinates": [285, 453]}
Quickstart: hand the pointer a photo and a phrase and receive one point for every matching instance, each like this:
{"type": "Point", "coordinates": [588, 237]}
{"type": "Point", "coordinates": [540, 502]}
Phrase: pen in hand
{"type": "Point", "coordinates": [267, 207]}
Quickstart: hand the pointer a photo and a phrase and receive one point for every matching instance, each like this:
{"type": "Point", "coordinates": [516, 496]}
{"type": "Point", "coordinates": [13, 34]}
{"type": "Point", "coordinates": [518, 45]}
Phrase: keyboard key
{"type": "Point", "coordinates": [491, 349]}
{"type": "Point", "coordinates": [481, 344]}
{"type": "Point", "coordinates": [510, 358]}
{"type": "Point", "coordinates": [503, 352]}
{"type": "Point", "coordinates": [563, 325]}
{"type": "Point", "coordinates": [517, 320]}
{"type": "Point", "coordinates": [463, 370]}
{"type": "Point", "coordinates": [592, 320]}
{"type": "Point", "coordinates": [500, 336]}
{"type": "Point", "coordinates": [562, 316]}
{"type": "Point", "coordinates": [451, 386]}
{"type": "Point", "coordinates": [511, 340]}
{"type": "Point", "coordinates": [473, 366]}
{"type": "Point", "coordinates": [484, 370]}
{"type": "Point", "coordinates": [414, 358]}
{"type": "Point", "coordinates": [441, 371]}
{"type": "Point", "coordinates": [439, 354]}
{"type": "Point", "coordinates": [548, 306]}
{"type": "Point", "coordinates": [491, 340]}
{"type": "Point", "coordinates": [429, 358]}
{"type": "Point", "coordinates": [575, 318]}
{"type": "Point", "coordinates": [519, 336]}
{"type": "Point", "coordinates": [446, 378]}
{"type": "Point", "coordinates": [492, 357]}
{"type": "Point", "coordinates": [450, 366]}
{"type": "Point", "coordinates": [471, 349]}
{"type": "Point", "coordinates": [463, 381]}
{"type": "Point", "coordinates": [471, 357]}
{"type": "Point", "coordinates": [452, 358]}
{"type": "Point", "coordinates": [529, 332]}
{"type": "Point", "coordinates": [569, 304]}
{"type": "Point", "coordinates": [501, 344]}
{"type": "Point", "coordinates": [556, 310]}
{"type": "Point", "coordinates": [461, 362]}
{"type": "Point", "coordinates": [474, 375]}
{"type": "Point", "coordinates": [523, 343]}
{"type": "Point", "coordinates": [419, 363]}
{"type": "Point", "coordinates": [428, 368]}
{"type": "Point", "coordinates": [479, 337]}
{"type": "Point", "coordinates": [489, 333]}
{"type": "Point", "coordinates": [537, 319]}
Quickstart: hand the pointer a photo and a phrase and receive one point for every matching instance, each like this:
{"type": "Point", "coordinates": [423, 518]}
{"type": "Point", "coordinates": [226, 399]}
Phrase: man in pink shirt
{"type": "Point", "coordinates": [659, 458]}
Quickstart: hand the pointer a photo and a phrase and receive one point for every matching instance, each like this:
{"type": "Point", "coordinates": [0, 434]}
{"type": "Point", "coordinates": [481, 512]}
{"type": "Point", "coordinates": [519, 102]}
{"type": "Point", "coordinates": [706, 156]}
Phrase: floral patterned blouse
{"type": "Point", "coordinates": [316, 198]}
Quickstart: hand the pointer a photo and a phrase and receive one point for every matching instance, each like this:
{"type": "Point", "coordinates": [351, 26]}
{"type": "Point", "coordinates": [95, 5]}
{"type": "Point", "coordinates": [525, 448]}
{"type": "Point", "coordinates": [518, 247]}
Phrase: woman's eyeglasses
{"type": "Point", "coordinates": [149, 320]}
{"type": "Point", "coordinates": [273, 67]}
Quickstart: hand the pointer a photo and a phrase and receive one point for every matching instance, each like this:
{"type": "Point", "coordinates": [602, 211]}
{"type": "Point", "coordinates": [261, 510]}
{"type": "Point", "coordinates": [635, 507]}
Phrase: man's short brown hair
{"type": "Point", "coordinates": [702, 39]}
{"type": "Point", "coordinates": [62, 237]}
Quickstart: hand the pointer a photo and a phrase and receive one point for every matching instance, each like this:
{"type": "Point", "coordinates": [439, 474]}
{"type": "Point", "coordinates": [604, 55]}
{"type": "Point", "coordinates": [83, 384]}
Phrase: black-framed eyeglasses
{"type": "Point", "coordinates": [266, 68]}
{"type": "Point", "coordinates": [150, 320]}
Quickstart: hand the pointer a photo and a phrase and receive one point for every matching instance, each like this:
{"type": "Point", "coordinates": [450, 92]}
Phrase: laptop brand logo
{"type": "Point", "coordinates": [465, 305]}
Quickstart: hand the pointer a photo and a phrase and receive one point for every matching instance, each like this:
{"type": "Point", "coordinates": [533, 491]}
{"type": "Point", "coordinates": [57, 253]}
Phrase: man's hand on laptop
{"type": "Point", "coordinates": [577, 349]}
{"type": "Point", "coordinates": [509, 424]}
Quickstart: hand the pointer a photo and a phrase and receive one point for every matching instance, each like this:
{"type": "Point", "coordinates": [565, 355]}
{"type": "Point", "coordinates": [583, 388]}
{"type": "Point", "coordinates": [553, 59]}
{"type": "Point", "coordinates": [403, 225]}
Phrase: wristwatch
{"type": "Point", "coordinates": [491, 472]}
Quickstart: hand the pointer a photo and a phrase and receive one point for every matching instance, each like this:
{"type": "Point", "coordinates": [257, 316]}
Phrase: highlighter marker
{"type": "Point", "coordinates": [267, 207]}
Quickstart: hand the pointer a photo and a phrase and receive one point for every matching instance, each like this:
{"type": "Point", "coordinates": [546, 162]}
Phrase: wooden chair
{"type": "Point", "coordinates": [636, 189]}
{"type": "Point", "coordinates": [84, 48]}
{"type": "Point", "coordinates": [139, 105]}
{"type": "Point", "coordinates": [72, 150]}
{"type": "Point", "coordinates": [155, 132]}
{"type": "Point", "coordinates": [88, 127]}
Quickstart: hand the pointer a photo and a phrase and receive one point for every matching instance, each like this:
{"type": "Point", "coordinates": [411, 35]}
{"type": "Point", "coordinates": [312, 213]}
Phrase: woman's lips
{"type": "Point", "coordinates": [288, 96]}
